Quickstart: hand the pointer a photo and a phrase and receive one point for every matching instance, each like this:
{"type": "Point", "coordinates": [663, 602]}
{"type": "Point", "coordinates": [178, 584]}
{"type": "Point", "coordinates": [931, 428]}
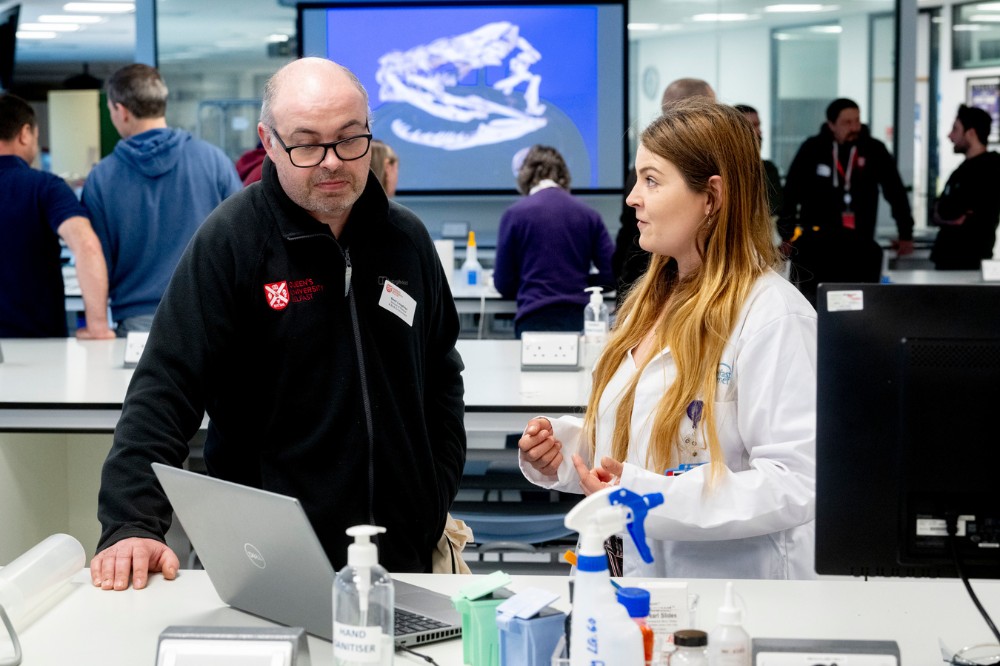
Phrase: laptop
{"type": "Point", "coordinates": [263, 557]}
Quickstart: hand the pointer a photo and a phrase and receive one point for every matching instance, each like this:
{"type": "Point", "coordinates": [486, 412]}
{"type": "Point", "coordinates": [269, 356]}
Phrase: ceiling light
{"type": "Point", "coordinates": [787, 9]}
{"type": "Point", "coordinates": [49, 27]}
{"type": "Point", "coordinates": [827, 29]}
{"type": "Point", "coordinates": [968, 27]}
{"type": "Point", "coordinates": [278, 38]}
{"type": "Point", "coordinates": [69, 18]}
{"type": "Point", "coordinates": [723, 17]}
{"type": "Point", "coordinates": [100, 7]}
{"type": "Point", "coordinates": [26, 34]}
{"type": "Point", "coordinates": [989, 7]}
{"type": "Point", "coordinates": [985, 18]}
{"type": "Point", "coordinates": [643, 27]}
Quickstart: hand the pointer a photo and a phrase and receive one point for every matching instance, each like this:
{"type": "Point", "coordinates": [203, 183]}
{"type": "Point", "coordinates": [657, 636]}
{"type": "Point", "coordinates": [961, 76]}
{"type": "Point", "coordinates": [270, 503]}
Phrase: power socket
{"type": "Point", "coordinates": [550, 351]}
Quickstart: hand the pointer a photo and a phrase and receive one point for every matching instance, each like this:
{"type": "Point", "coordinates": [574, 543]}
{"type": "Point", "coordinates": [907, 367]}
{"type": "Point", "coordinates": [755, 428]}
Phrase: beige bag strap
{"type": "Point", "coordinates": [447, 556]}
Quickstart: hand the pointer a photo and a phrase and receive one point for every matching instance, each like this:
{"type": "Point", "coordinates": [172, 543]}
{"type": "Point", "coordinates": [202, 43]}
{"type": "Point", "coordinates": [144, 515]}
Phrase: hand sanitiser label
{"type": "Point", "coordinates": [357, 645]}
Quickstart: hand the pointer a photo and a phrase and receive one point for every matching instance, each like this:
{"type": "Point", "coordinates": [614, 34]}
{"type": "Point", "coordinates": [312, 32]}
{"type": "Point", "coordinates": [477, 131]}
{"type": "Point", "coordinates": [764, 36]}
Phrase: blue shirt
{"type": "Point", "coordinates": [33, 204]}
{"type": "Point", "coordinates": [146, 199]}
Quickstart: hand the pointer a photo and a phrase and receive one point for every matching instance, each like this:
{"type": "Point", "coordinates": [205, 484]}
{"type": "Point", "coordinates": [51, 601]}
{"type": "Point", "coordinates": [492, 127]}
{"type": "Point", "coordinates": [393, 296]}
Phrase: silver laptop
{"type": "Point", "coordinates": [263, 557]}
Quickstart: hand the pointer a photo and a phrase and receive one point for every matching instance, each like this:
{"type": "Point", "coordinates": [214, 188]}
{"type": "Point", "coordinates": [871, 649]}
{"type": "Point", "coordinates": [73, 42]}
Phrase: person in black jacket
{"type": "Point", "coordinates": [968, 209]}
{"type": "Point", "coordinates": [831, 194]}
{"type": "Point", "coordinates": [771, 175]}
{"type": "Point", "coordinates": [311, 319]}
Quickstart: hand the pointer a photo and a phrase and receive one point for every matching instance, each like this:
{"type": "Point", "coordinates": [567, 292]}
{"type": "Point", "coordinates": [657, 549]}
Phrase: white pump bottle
{"type": "Point", "coordinates": [601, 631]}
{"type": "Point", "coordinates": [363, 625]}
{"type": "Point", "coordinates": [595, 327]}
{"type": "Point", "coordinates": [729, 643]}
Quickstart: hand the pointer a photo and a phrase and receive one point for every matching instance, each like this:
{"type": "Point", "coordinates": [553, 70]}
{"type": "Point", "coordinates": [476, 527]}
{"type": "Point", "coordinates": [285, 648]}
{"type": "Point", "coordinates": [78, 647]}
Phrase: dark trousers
{"type": "Point", "coordinates": [838, 255]}
{"type": "Point", "coordinates": [558, 317]}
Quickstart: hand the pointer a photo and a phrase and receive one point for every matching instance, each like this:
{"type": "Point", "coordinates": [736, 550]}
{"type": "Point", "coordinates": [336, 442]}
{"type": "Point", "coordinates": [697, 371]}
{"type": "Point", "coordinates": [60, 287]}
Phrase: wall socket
{"type": "Point", "coordinates": [550, 351]}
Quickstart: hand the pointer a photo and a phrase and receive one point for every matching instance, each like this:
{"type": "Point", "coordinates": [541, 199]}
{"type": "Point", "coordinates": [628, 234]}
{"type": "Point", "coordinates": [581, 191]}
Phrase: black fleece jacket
{"type": "Point", "coordinates": [327, 397]}
{"type": "Point", "coordinates": [810, 199]}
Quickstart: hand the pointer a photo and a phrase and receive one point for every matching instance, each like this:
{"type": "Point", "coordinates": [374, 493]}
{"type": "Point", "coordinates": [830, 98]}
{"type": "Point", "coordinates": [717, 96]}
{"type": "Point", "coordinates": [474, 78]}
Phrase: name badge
{"type": "Point", "coordinates": [398, 302]}
{"type": "Point", "coordinates": [824, 170]}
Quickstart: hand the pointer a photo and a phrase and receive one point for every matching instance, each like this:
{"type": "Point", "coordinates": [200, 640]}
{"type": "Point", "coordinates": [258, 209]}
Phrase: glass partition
{"type": "Point", "coordinates": [215, 58]}
{"type": "Point", "coordinates": [975, 39]}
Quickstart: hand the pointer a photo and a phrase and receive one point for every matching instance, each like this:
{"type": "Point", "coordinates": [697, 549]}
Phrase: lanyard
{"type": "Point", "coordinates": [840, 169]}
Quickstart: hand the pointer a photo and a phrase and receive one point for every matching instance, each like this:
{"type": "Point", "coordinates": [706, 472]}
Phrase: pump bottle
{"type": "Point", "coordinates": [729, 643]}
{"type": "Point", "coordinates": [363, 629]}
{"type": "Point", "coordinates": [595, 327]}
{"type": "Point", "coordinates": [472, 270]}
{"type": "Point", "coordinates": [601, 630]}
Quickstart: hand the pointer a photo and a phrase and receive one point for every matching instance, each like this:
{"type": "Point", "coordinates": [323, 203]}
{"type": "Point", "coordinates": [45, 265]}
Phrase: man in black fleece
{"type": "Point", "coordinates": [311, 319]}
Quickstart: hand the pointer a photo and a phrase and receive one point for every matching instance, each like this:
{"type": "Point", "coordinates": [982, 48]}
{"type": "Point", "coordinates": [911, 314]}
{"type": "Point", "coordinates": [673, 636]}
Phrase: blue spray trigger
{"type": "Point", "coordinates": [639, 506]}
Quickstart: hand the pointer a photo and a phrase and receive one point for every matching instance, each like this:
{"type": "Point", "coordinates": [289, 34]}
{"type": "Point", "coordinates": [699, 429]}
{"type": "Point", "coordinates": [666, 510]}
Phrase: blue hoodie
{"type": "Point", "coordinates": [146, 199]}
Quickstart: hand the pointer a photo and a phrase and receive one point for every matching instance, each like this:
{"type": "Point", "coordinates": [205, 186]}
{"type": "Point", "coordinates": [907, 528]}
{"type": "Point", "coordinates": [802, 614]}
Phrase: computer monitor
{"type": "Point", "coordinates": [906, 429]}
{"type": "Point", "coordinates": [461, 90]}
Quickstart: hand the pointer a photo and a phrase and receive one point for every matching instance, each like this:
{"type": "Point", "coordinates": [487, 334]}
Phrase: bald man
{"type": "Point", "coordinates": [630, 261]}
{"type": "Point", "coordinates": [310, 317]}
{"type": "Point", "coordinates": [685, 88]}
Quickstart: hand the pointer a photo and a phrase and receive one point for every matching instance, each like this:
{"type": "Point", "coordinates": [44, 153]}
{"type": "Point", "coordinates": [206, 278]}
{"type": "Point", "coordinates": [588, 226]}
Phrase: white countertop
{"type": "Point", "coordinates": [87, 626]}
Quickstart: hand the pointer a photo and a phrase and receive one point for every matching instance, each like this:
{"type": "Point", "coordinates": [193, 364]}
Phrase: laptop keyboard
{"type": "Point", "coordinates": [409, 623]}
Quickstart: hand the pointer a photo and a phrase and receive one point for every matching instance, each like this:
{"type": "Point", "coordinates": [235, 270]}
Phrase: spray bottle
{"type": "Point", "coordinates": [595, 327]}
{"type": "Point", "coordinates": [602, 631]}
{"type": "Point", "coordinates": [363, 629]}
{"type": "Point", "coordinates": [729, 643]}
{"type": "Point", "coordinates": [472, 270]}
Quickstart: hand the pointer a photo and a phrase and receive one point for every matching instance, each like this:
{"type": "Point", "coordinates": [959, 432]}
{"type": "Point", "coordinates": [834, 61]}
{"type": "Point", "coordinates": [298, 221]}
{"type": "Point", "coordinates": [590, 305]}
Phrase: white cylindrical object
{"type": "Point", "coordinates": [34, 576]}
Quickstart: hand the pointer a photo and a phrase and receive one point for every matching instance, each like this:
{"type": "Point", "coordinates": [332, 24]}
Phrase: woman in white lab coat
{"type": "Point", "coordinates": [706, 390]}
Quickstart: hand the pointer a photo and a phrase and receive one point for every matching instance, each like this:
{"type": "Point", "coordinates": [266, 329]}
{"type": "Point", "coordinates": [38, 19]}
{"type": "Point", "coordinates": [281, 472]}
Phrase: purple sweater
{"type": "Point", "coordinates": [545, 247]}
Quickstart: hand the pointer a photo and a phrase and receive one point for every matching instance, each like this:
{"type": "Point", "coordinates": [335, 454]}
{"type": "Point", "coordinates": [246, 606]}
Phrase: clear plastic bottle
{"type": "Point", "coordinates": [596, 317]}
{"type": "Point", "coordinates": [595, 327]}
{"type": "Point", "coordinates": [690, 648]}
{"type": "Point", "coordinates": [363, 625]}
{"type": "Point", "coordinates": [636, 602]}
{"type": "Point", "coordinates": [729, 640]}
{"type": "Point", "coordinates": [472, 270]}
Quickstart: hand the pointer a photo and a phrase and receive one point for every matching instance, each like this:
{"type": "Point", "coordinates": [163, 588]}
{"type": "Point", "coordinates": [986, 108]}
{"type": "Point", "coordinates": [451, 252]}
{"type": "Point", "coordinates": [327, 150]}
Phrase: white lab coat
{"type": "Point", "coordinates": [758, 521]}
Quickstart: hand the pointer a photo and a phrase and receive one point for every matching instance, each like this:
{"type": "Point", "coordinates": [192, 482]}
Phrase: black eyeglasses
{"type": "Point", "coordinates": [311, 154]}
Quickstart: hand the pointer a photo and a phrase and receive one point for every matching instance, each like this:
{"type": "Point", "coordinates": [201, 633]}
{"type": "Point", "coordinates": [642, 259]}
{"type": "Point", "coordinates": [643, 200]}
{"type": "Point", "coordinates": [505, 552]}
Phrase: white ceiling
{"type": "Point", "coordinates": [189, 29]}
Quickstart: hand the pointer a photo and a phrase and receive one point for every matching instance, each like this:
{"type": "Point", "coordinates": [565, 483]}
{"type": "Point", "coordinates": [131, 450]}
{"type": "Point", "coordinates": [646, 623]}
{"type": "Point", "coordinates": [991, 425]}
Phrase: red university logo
{"type": "Point", "coordinates": [277, 295]}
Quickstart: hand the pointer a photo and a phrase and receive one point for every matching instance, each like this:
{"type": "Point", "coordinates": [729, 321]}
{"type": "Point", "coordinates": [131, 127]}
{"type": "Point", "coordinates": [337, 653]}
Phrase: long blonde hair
{"type": "Point", "coordinates": [702, 139]}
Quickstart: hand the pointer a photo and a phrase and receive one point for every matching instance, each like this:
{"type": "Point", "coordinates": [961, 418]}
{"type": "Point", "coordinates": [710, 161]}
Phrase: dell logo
{"type": "Point", "coordinates": [254, 555]}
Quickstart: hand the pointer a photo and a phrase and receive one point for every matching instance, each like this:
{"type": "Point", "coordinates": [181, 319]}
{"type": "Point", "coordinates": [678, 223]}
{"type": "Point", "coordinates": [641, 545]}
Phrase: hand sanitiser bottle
{"type": "Point", "coordinates": [472, 270]}
{"type": "Point", "coordinates": [595, 327]}
{"type": "Point", "coordinates": [601, 630]}
{"type": "Point", "coordinates": [363, 630]}
{"type": "Point", "coordinates": [729, 643]}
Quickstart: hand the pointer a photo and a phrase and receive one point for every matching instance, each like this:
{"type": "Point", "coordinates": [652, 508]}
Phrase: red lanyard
{"type": "Point", "coordinates": [850, 167]}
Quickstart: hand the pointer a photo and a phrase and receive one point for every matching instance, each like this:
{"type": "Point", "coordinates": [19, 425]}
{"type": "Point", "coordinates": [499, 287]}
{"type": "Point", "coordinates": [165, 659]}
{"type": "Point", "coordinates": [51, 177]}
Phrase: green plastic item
{"type": "Point", "coordinates": [477, 604]}
{"type": "Point", "coordinates": [483, 586]}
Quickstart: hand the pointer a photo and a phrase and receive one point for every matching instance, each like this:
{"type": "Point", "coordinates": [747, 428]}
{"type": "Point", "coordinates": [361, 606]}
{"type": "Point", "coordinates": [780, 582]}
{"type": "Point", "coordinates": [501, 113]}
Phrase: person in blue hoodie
{"type": "Point", "coordinates": [148, 197]}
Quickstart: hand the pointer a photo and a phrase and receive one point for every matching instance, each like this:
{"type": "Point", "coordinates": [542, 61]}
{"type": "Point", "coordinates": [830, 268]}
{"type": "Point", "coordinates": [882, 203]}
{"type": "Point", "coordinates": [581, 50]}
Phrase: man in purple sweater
{"type": "Point", "coordinates": [546, 247]}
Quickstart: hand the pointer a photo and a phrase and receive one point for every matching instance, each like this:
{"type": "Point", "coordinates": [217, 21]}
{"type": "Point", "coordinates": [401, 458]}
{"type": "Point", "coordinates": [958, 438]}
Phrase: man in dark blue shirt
{"type": "Point", "coordinates": [38, 209]}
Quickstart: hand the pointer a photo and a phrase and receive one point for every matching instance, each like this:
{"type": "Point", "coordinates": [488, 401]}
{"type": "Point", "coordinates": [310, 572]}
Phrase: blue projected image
{"type": "Point", "coordinates": [461, 92]}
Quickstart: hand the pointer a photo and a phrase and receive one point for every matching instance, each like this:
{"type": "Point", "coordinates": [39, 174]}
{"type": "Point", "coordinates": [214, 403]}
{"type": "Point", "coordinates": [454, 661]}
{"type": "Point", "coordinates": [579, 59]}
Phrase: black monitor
{"type": "Point", "coordinates": [8, 45]}
{"type": "Point", "coordinates": [907, 437]}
